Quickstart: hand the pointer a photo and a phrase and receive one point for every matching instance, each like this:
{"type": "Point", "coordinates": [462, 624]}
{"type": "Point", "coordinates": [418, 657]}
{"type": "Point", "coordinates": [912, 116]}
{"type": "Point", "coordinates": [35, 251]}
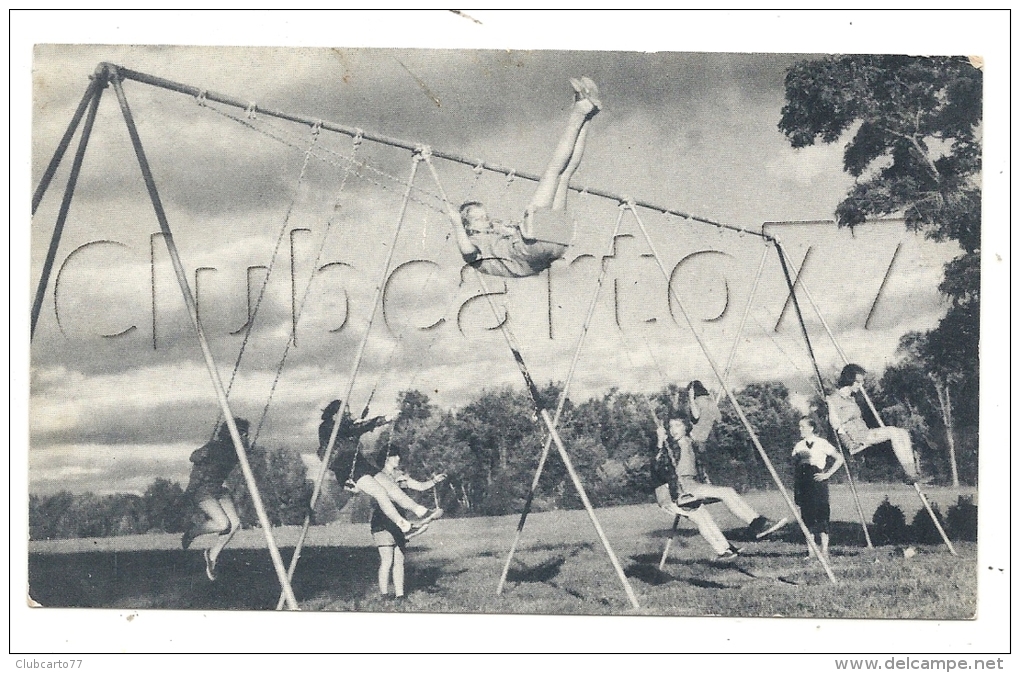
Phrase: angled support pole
{"type": "Point", "coordinates": [669, 542]}
{"type": "Point", "coordinates": [871, 405]}
{"type": "Point", "coordinates": [91, 101]}
{"type": "Point", "coordinates": [917, 486]}
{"type": "Point", "coordinates": [559, 405]}
{"type": "Point", "coordinates": [189, 299]}
{"type": "Point", "coordinates": [355, 366]}
{"type": "Point", "coordinates": [736, 405]}
{"type": "Point", "coordinates": [543, 413]}
{"type": "Point", "coordinates": [821, 384]}
{"type": "Point", "coordinates": [95, 85]}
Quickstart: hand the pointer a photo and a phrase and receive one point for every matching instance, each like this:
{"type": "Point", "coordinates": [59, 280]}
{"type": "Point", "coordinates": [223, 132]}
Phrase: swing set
{"type": "Point", "coordinates": [107, 74]}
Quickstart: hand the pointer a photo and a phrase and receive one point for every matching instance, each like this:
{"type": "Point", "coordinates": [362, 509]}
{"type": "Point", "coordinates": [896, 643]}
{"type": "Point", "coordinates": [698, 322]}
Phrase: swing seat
{"type": "Point", "coordinates": [549, 226]}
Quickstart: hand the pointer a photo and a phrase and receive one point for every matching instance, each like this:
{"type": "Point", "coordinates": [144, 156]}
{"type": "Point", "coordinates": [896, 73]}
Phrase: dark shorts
{"type": "Point", "coordinates": [362, 467]}
{"type": "Point", "coordinates": [203, 486]}
{"type": "Point", "coordinates": [385, 532]}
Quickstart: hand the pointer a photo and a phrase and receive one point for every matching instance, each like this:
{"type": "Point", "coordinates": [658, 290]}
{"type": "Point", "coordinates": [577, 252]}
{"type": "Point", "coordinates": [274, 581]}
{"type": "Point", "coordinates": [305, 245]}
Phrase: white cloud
{"type": "Point", "coordinates": [806, 165]}
{"type": "Point", "coordinates": [696, 132]}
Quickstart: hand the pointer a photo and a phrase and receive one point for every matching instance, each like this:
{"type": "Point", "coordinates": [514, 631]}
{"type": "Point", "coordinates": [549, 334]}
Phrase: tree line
{"type": "Point", "coordinates": [490, 449]}
{"type": "Point", "coordinates": [915, 151]}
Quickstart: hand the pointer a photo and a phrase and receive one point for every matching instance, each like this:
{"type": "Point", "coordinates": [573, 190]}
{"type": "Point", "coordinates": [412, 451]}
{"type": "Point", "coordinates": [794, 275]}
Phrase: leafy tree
{"type": "Point", "coordinates": [730, 456]}
{"type": "Point", "coordinates": [505, 445]}
{"type": "Point", "coordinates": [280, 474]}
{"type": "Point", "coordinates": [45, 514]}
{"type": "Point", "coordinates": [916, 151]}
{"type": "Point", "coordinates": [916, 148]}
{"type": "Point", "coordinates": [920, 391]}
{"type": "Point", "coordinates": [165, 506]}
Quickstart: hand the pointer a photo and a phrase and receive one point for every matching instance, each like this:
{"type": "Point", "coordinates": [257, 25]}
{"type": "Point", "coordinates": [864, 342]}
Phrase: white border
{"type": "Point", "coordinates": [981, 33]}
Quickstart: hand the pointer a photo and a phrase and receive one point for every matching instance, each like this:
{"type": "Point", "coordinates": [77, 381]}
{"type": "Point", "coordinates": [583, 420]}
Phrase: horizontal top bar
{"type": "Point", "coordinates": [111, 70]}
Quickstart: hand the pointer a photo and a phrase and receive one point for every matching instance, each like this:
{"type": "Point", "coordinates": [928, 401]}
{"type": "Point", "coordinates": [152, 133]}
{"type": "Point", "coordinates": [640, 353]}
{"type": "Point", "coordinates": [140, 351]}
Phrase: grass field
{"type": "Point", "coordinates": [560, 568]}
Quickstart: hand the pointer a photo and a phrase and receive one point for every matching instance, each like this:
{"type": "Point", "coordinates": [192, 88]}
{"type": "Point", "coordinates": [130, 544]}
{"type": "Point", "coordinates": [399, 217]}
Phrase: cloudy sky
{"type": "Point", "coordinates": [694, 131]}
{"type": "Point", "coordinates": [120, 393]}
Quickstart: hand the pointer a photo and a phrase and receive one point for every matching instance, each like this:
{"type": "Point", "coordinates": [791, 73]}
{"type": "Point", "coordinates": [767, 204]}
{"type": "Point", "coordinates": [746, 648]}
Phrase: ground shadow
{"type": "Point", "coordinates": [175, 579]}
{"type": "Point", "coordinates": [707, 584]}
{"type": "Point", "coordinates": [668, 532]}
{"type": "Point", "coordinates": [574, 547]}
{"type": "Point", "coordinates": [543, 572]}
{"type": "Point", "coordinates": [648, 573]}
{"type": "Point", "coordinates": [841, 534]}
{"type": "Point", "coordinates": [646, 569]}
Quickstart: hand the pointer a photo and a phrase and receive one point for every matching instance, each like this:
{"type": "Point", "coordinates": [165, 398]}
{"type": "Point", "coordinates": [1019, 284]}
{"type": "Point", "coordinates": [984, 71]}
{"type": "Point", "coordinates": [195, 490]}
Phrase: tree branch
{"type": "Point", "coordinates": [919, 150]}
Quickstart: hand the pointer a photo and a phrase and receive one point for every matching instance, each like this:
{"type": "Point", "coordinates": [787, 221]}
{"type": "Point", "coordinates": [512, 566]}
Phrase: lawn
{"type": "Point", "coordinates": [560, 568]}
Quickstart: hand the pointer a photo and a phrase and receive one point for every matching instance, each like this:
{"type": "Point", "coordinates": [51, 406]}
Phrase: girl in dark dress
{"type": "Point", "coordinates": [811, 481]}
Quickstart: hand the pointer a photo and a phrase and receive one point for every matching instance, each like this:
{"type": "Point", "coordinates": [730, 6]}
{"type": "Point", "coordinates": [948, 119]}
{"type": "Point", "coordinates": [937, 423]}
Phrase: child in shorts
{"type": "Point", "coordinates": [388, 537]}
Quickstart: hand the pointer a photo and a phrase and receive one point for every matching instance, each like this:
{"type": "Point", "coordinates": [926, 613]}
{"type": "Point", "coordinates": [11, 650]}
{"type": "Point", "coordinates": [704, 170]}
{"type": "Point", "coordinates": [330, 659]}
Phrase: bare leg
{"type": "Point", "coordinates": [398, 572]}
{"type": "Point", "coordinates": [227, 506]}
{"type": "Point", "coordinates": [217, 521]}
{"type": "Point", "coordinates": [385, 564]}
{"type": "Point", "coordinates": [810, 550]}
{"type": "Point", "coordinates": [398, 496]}
{"type": "Point", "coordinates": [901, 446]}
{"type": "Point", "coordinates": [825, 544]}
{"type": "Point", "coordinates": [581, 112]}
{"type": "Point", "coordinates": [560, 198]}
{"type": "Point", "coordinates": [369, 485]}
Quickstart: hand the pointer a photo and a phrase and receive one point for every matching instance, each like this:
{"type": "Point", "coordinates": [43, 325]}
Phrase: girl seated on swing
{"type": "Point", "coordinates": [670, 451]}
{"type": "Point", "coordinates": [515, 251]}
{"type": "Point", "coordinates": [213, 464]}
{"type": "Point", "coordinates": [848, 421]}
{"type": "Point", "coordinates": [357, 472]}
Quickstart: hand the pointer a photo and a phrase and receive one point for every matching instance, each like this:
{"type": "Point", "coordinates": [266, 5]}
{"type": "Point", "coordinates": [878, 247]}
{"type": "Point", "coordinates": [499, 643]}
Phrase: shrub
{"type": "Point", "coordinates": [962, 519]}
{"type": "Point", "coordinates": [923, 529]}
{"type": "Point", "coordinates": [890, 524]}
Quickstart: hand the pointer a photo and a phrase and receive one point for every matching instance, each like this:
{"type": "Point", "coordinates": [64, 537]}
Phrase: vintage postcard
{"type": "Point", "coordinates": [506, 331]}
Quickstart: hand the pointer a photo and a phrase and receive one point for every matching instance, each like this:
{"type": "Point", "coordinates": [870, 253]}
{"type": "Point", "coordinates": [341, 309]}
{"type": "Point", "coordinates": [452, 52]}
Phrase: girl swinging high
{"type": "Point", "coordinates": [515, 251]}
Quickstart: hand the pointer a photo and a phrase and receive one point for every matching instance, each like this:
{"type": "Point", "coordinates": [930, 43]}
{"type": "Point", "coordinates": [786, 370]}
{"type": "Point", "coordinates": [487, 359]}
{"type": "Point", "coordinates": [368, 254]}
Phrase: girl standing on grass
{"type": "Point", "coordinates": [811, 481]}
{"type": "Point", "coordinates": [389, 539]}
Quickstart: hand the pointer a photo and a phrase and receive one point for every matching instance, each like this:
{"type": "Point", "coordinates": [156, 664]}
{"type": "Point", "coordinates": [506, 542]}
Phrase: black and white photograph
{"type": "Point", "coordinates": [420, 329]}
